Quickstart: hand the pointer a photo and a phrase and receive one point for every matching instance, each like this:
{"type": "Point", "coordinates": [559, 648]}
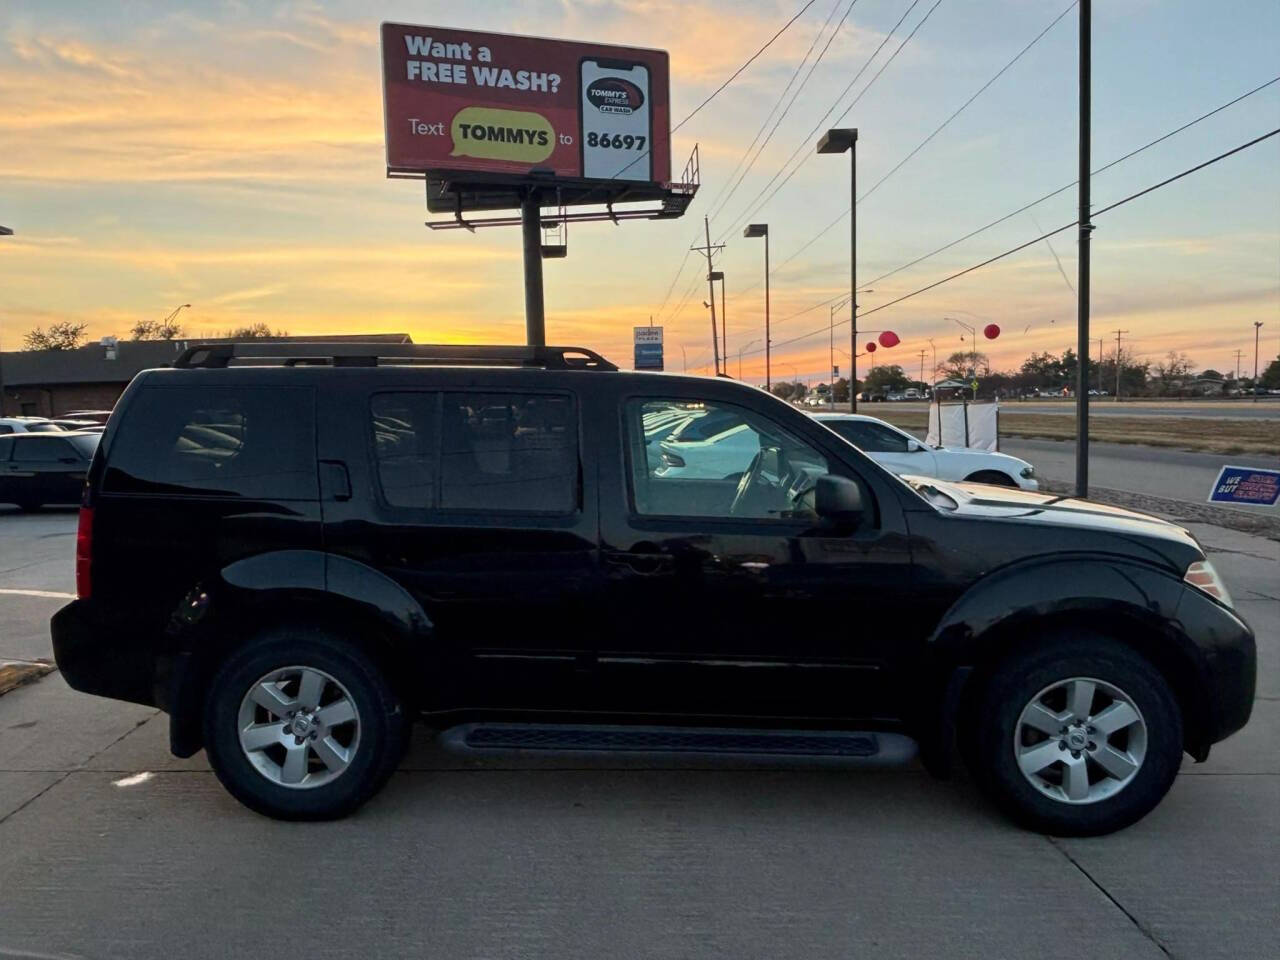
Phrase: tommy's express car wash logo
{"type": "Point", "coordinates": [614, 95]}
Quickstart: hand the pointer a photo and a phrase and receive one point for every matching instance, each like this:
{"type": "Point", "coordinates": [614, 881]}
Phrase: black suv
{"type": "Point", "coordinates": [293, 549]}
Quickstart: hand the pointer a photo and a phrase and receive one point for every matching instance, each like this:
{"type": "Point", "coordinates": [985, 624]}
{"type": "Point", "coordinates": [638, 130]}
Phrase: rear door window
{"type": "Point", "coordinates": [44, 450]}
{"type": "Point", "coordinates": [490, 452]}
{"type": "Point", "coordinates": [252, 442]}
{"type": "Point", "coordinates": [6, 448]}
{"type": "Point", "coordinates": [509, 451]}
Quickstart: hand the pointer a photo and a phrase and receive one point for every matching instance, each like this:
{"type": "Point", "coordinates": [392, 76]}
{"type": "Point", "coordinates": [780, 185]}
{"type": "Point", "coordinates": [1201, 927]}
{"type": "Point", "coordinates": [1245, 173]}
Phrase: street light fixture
{"type": "Point", "coordinates": [845, 140]}
{"type": "Point", "coordinates": [762, 230]}
{"type": "Point", "coordinates": [1257, 329]}
{"type": "Point", "coordinates": [973, 350]}
{"type": "Point", "coordinates": [6, 232]}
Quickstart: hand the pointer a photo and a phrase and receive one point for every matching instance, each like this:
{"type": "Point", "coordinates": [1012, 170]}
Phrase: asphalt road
{"type": "Point", "coordinates": [109, 847]}
{"type": "Point", "coordinates": [1267, 408]}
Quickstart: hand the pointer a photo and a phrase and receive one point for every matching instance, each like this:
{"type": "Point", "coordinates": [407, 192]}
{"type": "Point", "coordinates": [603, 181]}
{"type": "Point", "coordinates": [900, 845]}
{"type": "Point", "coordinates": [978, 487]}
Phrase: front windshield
{"type": "Point", "coordinates": [43, 428]}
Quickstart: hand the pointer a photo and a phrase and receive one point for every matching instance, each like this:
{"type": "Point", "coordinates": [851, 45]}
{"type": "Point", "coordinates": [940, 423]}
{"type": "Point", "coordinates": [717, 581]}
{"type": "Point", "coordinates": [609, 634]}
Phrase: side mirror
{"type": "Point", "coordinates": [838, 498]}
{"type": "Point", "coordinates": [914, 446]}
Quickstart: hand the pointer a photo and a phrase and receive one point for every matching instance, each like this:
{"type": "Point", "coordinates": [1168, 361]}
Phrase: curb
{"type": "Point", "coordinates": [15, 673]}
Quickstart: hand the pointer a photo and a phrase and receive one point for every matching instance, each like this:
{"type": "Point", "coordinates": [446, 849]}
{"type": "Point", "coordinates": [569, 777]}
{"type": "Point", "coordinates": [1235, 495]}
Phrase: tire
{"type": "Point", "coordinates": [346, 756]}
{"type": "Point", "coordinates": [1006, 723]}
{"type": "Point", "coordinates": [993, 477]}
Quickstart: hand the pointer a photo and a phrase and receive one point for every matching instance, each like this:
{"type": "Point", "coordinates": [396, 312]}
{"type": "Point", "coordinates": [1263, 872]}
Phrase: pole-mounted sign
{"type": "Point", "coordinates": [648, 348]}
{"type": "Point", "coordinates": [466, 102]}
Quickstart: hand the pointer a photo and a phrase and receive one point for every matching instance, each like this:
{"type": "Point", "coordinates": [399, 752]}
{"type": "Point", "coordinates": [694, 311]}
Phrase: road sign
{"type": "Point", "coordinates": [466, 103]}
{"type": "Point", "coordinates": [1253, 486]}
{"type": "Point", "coordinates": [648, 348]}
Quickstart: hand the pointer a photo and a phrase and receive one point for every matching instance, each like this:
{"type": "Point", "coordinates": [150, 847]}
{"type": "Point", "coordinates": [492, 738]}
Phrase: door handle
{"type": "Point", "coordinates": [335, 481]}
{"type": "Point", "coordinates": [755, 566]}
{"type": "Point", "coordinates": [646, 564]}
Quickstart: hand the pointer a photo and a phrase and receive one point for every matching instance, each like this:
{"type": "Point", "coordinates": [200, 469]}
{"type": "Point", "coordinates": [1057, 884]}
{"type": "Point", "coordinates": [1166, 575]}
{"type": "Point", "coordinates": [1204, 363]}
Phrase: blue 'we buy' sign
{"type": "Point", "coordinates": [1251, 485]}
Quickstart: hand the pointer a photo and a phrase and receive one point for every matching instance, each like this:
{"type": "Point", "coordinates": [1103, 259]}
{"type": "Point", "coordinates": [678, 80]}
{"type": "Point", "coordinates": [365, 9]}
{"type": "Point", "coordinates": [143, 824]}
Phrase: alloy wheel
{"type": "Point", "coordinates": [299, 727]}
{"type": "Point", "coordinates": [1080, 740]}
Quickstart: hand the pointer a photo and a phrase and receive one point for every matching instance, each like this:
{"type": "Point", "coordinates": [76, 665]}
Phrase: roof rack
{"type": "Point", "coordinates": [215, 356]}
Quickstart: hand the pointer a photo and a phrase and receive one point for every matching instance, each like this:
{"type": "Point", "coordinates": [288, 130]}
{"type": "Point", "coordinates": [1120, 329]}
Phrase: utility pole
{"type": "Point", "coordinates": [1082, 280]}
{"type": "Point", "coordinates": [1257, 329]}
{"type": "Point", "coordinates": [708, 250]}
{"type": "Point", "coordinates": [1239, 353]}
{"type": "Point", "coordinates": [922, 353]}
{"type": "Point", "coordinates": [724, 325]}
{"type": "Point", "coordinates": [1099, 366]}
{"type": "Point", "coordinates": [845, 140]}
{"type": "Point", "coordinates": [1118, 334]}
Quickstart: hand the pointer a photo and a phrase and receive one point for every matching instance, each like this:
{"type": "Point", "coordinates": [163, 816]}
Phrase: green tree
{"type": "Point", "coordinates": [1270, 377]}
{"type": "Point", "coordinates": [887, 377]}
{"type": "Point", "coordinates": [63, 335]}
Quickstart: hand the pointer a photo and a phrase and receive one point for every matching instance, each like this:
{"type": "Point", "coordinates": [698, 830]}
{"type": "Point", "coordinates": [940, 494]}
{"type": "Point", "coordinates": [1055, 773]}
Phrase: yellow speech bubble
{"type": "Point", "coordinates": [502, 135]}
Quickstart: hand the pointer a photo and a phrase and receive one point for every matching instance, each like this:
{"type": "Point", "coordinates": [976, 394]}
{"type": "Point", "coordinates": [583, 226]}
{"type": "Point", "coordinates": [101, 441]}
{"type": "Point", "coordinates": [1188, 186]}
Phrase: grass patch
{"type": "Point", "coordinates": [1198, 434]}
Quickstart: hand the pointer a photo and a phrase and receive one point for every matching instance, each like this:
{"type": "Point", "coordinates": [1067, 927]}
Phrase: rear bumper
{"type": "Point", "coordinates": [95, 657]}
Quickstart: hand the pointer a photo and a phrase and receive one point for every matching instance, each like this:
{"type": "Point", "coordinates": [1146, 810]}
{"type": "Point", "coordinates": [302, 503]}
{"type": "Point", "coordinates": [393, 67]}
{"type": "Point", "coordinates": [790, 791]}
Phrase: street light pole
{"type": "Point", "coordinates": [762, 230]}
{"type": "Point", "coordinates": [841, 140]}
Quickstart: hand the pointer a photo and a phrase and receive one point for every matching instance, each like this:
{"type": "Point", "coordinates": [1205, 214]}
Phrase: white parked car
{"type": "Point", "coordinates": [902, 453]}
{"type": "Point", "coordinates": [28, 425]}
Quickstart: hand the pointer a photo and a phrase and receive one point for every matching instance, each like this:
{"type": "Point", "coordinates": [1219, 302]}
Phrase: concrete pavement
{"type": "Point", "coordinates": [566, 858]}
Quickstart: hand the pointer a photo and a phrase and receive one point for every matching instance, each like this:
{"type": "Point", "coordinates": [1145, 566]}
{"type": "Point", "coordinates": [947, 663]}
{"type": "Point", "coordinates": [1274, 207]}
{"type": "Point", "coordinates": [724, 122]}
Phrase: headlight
{"type": "Point", "coordinates": [1204, 578]}
{"type": "Point", "coordinates": [1027, 473]}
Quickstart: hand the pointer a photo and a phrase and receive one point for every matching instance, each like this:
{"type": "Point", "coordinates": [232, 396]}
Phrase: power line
{"type": "Point", "coordinates": [898, 166]}
{"type": "Point", "coordinates": [849, 86]}
{"type": "Point", "coordinates": [715, 93]}
{"type": "Point", "coordinates": [679, 270]}
{"type": "Point", "coordinates": [750, 60]}
{"type": "Point", "coordinates": [893, 56]}
{"type": "Point", "coordinates": [1022, 209]}
{"type": "Point", "coordinates": [778, 103]}
{"type": "Point", "coordinates": [783, 115]}
{"type": "Point", "coordinates": [1022, 246]}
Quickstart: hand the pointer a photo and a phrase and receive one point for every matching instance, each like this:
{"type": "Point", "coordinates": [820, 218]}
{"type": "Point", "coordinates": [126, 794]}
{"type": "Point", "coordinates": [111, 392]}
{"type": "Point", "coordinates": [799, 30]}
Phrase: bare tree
{"type": "Point", "coordinates": [157, 330]}
{"type": "Point", "coordinates": [255, 331]}
{"type": "Point", "coordinates": [63, 335]}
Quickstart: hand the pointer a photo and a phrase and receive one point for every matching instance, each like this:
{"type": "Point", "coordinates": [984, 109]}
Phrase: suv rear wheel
{"type": "Point", "coordinates": [300, 725]}
{"type": "Point", "coordinates": [1077, 738]}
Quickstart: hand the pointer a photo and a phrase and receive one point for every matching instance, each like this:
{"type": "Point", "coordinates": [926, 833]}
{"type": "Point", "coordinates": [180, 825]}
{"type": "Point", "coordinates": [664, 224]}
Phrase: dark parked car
{"type": "Point", "coordinates": [295, 548]}
{"type": "Point", "coordinates": [40, 468]}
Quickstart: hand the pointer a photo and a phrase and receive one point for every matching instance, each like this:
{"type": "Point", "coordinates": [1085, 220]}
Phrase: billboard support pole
{"type": "Point", "coordinates": [535, 325]}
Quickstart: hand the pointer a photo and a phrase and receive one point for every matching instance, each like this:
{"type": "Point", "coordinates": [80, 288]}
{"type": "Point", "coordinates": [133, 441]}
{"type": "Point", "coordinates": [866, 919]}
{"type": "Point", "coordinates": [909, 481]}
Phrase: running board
{"type": "Point", "coordinates": [852, 747]}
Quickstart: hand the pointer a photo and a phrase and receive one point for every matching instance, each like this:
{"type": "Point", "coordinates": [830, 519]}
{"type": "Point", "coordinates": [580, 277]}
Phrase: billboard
{"type": "Point", "coordinates": [1250, 485]}
{"type": "Point", "coordinates": [459, 103]}
{"type": "Point", "coordinates": [648, 348]}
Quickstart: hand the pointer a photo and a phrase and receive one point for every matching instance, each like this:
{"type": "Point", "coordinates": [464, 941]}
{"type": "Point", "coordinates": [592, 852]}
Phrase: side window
{"type": "Point", "coordinates": [6, 448]}
{"type": "Point", "coordinates": [44, 450]}
{"type": "Point", "coordinates": [256, 442]}
{"type": "Point", "coordinates": [885, 440]}
{"type": "Point", "coordinates": [5, 429]}
{"type": "Point", "coordinates": [509, 452]}
{"type": "Point", "coordinates": [718, 461]}
{"type": "Point", "coordinates": [405, 440]}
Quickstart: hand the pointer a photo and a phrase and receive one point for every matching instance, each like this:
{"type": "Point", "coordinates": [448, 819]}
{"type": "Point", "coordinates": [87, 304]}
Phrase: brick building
{"type": "Point", "coordinates": [50, 383]}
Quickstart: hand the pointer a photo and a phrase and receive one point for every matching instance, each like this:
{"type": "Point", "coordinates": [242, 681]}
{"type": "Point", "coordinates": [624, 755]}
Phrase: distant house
{"type": "Point", "coordinates": [50, 383]}
{"type": "Point", "coordinates": [1205, 387]}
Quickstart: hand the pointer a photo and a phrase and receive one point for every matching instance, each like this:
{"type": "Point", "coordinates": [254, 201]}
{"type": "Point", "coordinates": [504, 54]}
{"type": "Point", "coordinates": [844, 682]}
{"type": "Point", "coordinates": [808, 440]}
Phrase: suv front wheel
{"type": "Point", "coordinates": [300, 725]}
{"type": "Point", "coordinates": [1079, 737]}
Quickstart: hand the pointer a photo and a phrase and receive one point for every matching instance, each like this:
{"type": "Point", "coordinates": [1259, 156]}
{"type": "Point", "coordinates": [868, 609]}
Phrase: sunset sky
{"type": "Point", "coordinates": [230, 155]}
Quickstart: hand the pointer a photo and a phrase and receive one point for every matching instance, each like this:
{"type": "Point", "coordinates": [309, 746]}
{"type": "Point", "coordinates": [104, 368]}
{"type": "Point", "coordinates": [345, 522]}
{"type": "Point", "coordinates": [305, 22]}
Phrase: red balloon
{"type": "Point", "coordinates": [889, 339]}
{"type": "Point", "coordinates": [991, 331]}
{"type": "Point", "coordinates": [871, 346]}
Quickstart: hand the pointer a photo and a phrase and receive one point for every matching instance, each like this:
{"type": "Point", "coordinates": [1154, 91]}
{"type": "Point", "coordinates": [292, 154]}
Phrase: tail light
{"type": "Point", "coordinates": [84, 553]}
